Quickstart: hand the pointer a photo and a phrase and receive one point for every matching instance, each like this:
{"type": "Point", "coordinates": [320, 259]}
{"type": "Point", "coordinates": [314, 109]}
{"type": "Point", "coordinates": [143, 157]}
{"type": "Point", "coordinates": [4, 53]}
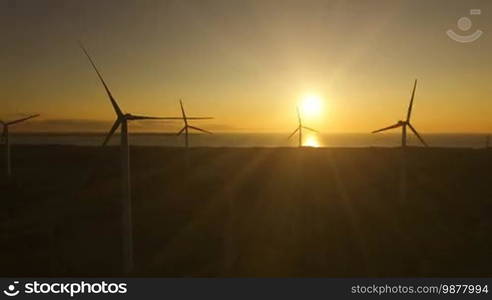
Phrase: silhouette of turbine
{"type": "Point", "coordinates": [5, 138]}
{"type": "Point", "coordinates": [122, 120]}
{"type": "Point", "coordinates": [404, 124]}
{"type": "Point", "coordinates": [300, 127]}
{"type": "Point", "coordinates": [187, 126]}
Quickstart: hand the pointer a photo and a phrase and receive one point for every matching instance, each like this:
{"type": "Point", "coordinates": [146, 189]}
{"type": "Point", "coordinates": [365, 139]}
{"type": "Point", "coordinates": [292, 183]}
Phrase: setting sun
{"type": "Point", "coordinates": [311, 105]}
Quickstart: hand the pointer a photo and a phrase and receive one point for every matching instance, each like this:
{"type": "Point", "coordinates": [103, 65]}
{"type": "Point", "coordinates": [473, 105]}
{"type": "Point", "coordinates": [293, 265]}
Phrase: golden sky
{"type": "Point", "coordinates": [247, 63]}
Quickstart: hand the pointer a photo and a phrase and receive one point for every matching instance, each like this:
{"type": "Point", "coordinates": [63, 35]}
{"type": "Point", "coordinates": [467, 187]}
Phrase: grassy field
{"type": "Point", "coordinates": [249, 212]}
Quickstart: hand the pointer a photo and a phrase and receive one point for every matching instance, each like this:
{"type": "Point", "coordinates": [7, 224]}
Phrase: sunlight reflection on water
{"type": "Point", "coordinates": [311, 141]}
{"type": "Point", "coordinates": [256, 140]}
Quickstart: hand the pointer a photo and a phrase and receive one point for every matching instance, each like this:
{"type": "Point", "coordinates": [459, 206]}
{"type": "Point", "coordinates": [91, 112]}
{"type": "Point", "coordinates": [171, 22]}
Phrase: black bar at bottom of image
{"type": "Point", "coordinates": [244, 288]}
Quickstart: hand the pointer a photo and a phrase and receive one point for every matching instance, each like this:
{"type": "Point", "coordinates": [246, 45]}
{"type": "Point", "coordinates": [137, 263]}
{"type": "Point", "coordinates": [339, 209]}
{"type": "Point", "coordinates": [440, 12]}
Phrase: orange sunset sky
{"type": "Point", "coordinates": [247, 63]}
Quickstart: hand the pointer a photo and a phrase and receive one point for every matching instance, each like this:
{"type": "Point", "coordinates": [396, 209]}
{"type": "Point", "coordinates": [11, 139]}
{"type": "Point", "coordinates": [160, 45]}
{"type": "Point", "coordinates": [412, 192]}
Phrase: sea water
{"type": "Point", "coordinates": [255, 140]}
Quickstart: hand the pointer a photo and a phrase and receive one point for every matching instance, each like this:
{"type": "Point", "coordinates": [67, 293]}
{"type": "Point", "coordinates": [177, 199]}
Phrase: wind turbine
{"type": "Point", "coordinates": [300, 127]}
{"type": "Point", "coordinates": [5, 137]}
{"type": "Point", "coordinates": [404, 124]}
{"type": "Point", "coordinates": [187, 126]}
{"type": "Point", "coordinates": [122, 120]}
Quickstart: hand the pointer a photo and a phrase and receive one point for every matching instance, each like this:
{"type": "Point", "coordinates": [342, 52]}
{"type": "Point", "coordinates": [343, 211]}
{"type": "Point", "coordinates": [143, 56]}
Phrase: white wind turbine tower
{"type": "Point", "coordinates": [5, 138]}
{"type": "Point", "coordinates": [404, 124]}
{"type": "Point", "coordinates": [122, 120]}
{"type": "Point", "coordinates": [187, 126]}
{"type": "Point", "coordinates": [300, 127]}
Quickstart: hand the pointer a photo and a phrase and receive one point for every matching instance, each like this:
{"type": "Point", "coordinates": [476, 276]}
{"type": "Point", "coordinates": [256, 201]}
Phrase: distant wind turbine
{"type": "Point", "coordinates": [300, 127]}
{"type": "Point", "coordinates": [122, 120]}
{"type": "Point", "coordinates": [404, 124]}
{"type": "Point", "coordinates": [5, 138]}
{"type": "Point", "coordinates": [187, 126]}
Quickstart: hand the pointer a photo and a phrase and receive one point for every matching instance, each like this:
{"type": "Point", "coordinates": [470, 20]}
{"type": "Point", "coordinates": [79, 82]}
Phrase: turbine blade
{"type": "Point", "coordinates": [139, 117]}
{"type": "Point", "coordinates": [292, 134]}
{"type": "Point", "coordinates": [181, 131]}
{"type": "Point", "coordinates": [310, 129]}
{"type": "Point", "coordinates": [111, 132]}
{"type": "Point", "coordinates": [111, 98]}
{"type": "Point", "coordinates": [298, 115]}
{"type": "Point", "coordinates": [417, 134]}
{"type": "Point", "coordinates": [199, 129]}
{"type": "Point", "coordinates": [388, 128]}
{"type": "Point", "coordinates": [409, 113]}
{"type": "Point", "coordinates": [22, 120]}
{"type": "Point", "coordinates": [183, 112]}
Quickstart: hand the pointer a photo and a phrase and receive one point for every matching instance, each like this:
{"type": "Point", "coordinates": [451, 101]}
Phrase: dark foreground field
{"type": "Point", "coordinates": [249, 212]}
